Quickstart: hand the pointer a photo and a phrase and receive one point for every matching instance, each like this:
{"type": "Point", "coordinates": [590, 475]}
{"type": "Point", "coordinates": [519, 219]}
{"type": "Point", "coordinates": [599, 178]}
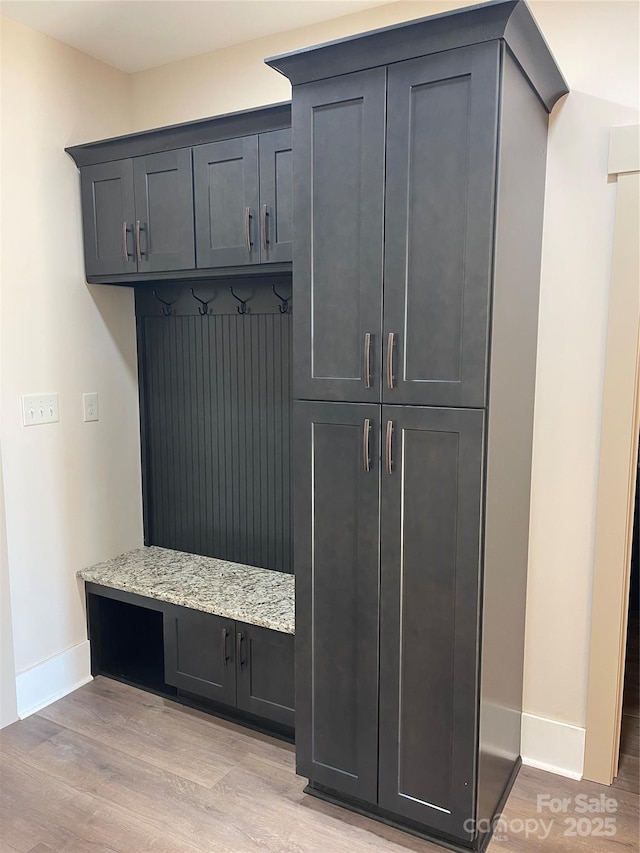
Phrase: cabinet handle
{"type": "Point", "coordinates": [366, 458]}
{"type": "Point", "coordinates": [265, 226]}
{"type": "Point", "coordinates": [125, 250]}
{"type": "Point", "coordinates": [367, 360]}
{"type": "Point", "coordinates": [225, 657]}
{"type": "Point", "coordinates": [247, 228]}
{"type": "Point", "coordinates": [239, 658]}
{"type": "Point", "coordinates": [389, 460]}
{"type": "Point", "coordinates": [138, 247]}
{"type": "Point", "coordinates": [390, 343]}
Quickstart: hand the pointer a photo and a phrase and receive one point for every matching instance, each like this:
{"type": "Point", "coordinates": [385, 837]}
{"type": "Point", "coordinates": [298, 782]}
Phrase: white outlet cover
{"type": "Point", "coordinates": [90, 406]}
{"type": "Point", "coordinates": [40, 409]}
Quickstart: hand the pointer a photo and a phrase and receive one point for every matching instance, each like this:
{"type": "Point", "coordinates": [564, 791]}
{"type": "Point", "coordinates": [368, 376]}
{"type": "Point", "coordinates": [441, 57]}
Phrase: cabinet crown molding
{"type": "Point", "coordinates": [508, 20]}
{"type": "Point", "coordinates": [185, 135]}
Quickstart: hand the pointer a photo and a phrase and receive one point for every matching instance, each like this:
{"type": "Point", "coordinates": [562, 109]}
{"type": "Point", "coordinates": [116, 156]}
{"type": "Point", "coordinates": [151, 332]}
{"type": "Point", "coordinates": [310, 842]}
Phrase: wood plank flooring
{"type": "Point", "coordinates": [112, 769]}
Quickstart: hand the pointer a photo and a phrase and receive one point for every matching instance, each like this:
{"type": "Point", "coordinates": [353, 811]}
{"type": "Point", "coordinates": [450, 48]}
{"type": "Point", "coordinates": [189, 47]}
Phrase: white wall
{"type": "Point", "coordinates": [72, 490]}
{"type": "Point", "coordinates": [595, 44]}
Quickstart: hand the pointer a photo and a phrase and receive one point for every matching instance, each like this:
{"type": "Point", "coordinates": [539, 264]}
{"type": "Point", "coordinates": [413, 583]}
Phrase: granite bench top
{"type": "Point", "coordinates": [245, 593]}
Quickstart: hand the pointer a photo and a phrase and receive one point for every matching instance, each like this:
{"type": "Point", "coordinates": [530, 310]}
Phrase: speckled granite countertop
{"type": "Point", "coordinates": [248, 594]}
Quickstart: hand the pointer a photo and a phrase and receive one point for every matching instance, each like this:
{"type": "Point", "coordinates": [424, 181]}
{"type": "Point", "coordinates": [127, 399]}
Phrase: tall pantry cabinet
{"type": "Point", "coordinates": [419, 171]}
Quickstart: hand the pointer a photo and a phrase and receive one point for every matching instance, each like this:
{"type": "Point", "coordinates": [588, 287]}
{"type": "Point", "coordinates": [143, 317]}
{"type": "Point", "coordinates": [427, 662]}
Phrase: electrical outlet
{"type": "Point", "coordinates": [40, 409]}
{"type": "Point", "coordinates": [90, 406]}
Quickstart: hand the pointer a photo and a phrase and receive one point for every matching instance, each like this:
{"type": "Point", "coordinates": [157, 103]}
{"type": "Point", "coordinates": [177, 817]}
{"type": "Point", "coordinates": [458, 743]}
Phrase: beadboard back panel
{"type": "Point", "coordinates": [215, 402]}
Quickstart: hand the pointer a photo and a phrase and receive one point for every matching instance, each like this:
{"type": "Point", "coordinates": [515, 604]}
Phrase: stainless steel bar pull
{"type": "Point", "coordinates": [138, 246]}
{"type": "Point", "coordinates": [388, 448]}
{"type": "Point", "coordinates": [367, 360]}
{"type": "Point", "coordinates": [390, 345]}
{"type": "Point", "coordinates": [366, 458]}
{"type": "Point", "coordinates": [265, 226]}
{"type": "Point", "coordinates": [125, 250]}
{"type": "Point", "coordinates": [247, 228]}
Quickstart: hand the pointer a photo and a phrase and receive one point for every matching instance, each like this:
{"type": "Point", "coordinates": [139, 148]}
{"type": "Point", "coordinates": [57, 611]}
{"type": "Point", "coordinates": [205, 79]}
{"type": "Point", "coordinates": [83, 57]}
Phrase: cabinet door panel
{"type": "Point", "coordinates": [199, 653]}
{"type": "Point", "coordinates": [338, 127]}
{"type": "Point", "coordinates": [336, 565]}
{"type": "Point", "coordinates": [276, 196]}
{"type": "Point", "coordinates": [265, 673]}
{"type": "Point", "coordinates": [164, 207]}
{"type": "Point", "coordinates": [108, 215]}
{"type": "Point", "coordinates": [430, 576]}
{"type": "Point", "coordinates": [226, 187]}
{"type": "Point", "coordinates": [441, 154]}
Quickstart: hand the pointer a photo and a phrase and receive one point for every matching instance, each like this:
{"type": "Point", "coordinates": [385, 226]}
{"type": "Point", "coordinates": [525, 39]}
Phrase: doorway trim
{"type": "Point", "coordinates": [618, 462]}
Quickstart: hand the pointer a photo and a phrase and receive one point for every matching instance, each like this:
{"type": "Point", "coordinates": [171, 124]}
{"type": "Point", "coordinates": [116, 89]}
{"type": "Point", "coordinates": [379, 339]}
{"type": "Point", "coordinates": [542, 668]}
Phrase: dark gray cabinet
{"type": "Point", "coordinates": [209, 195]}
{"type": "Point", "coordinates": [137, 214]}
{"type": "Point", "coordinates": [338, 126]}
{"type": "Point", "coordinates": [265, 666]}
{"type": "Point", "coordinates": [276, 196]}
{"type": "Point", "coordinates": [164, 211]}
{"type": "Point", "coordinates": [239, 665]}
{"type": "Point", "coordinates": [108, 218]}
{"type": "Point", "coordinates": [419, 179]}
{"type": "Point", "coordinates": [199, 654]}
{"type": "Point", "coordinates": [226, 202]}
{"type": "Point", "coordinates": [429, 587]}
{"type": "Point", "coordinates": [243, 205]}
{"type": "Point", "coordinates": [336, 495]}
{"type": "Point", "coordinates": [440, 180]}
{"type": "Point", "coordinates": [435, 182]}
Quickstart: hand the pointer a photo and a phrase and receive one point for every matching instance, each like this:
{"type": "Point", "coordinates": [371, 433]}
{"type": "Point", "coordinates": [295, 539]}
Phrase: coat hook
{"type": "Point", "coordinates": [203, 308]}
{"type": "Point", "coordinates": [242, 308]}
{"type": "Point", "coordinates": [284, 306]}
{"type": "Point", "coordinates": [167, 307]}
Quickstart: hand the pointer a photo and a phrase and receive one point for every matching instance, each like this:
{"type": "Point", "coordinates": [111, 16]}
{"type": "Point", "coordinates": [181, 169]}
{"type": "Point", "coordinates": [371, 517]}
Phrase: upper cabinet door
{"type": "Point", "coordinates": [164, 211]}
{"type": "Point", "coordinates": [276, 196]}
{"type": "Point", "coordinates": [430, 576]}
{"type": "Point", "coordinates": [338, 133]}
{"type": "Point", "coordinates": [108, 218]}
{"type": "Point", "coordinates": [441, 162]}
{"type": "Point", "coordinates": [226, 203]}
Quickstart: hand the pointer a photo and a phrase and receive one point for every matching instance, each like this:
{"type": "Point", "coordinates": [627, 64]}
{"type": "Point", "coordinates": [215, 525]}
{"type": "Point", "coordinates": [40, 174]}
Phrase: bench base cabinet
{"type": "Point", "coordinates": [233, 663]}
{"type": "Point", "coordinates": [239, 671]}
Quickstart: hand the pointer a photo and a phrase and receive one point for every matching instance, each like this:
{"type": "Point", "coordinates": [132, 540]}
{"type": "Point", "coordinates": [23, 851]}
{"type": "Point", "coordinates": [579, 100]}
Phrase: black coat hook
{"type": "Point", "coordinates": [203, 308]}
{"type": "Point", "coordinates": [242, 308]}
{"type": "Point", "coordinates": [167, 307]}
{"type": "Point", "coordinates": [284, 306]}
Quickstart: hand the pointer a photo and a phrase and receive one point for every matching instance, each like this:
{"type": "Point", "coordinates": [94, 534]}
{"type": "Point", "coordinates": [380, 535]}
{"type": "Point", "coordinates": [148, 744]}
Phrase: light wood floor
{"type": "Point", "coordinates": [112, 768]}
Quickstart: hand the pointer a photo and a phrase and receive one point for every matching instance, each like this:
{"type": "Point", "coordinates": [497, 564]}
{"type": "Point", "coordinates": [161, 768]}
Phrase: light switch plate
{"type": "Point", "coordinates": [40, 409]}
{"type": "Point", "coordinates": [90, 406]}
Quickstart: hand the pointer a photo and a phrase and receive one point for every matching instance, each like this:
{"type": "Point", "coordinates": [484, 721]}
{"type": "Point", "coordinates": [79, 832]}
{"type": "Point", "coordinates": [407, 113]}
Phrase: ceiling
{"type": "Point", "coordinates": [134, 35]}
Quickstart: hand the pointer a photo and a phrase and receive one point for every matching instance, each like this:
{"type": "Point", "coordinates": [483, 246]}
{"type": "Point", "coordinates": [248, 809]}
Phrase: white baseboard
{"type": "Point", "coordinates": [553, 746]}
{"type": "Point", "coordinates": [52, 679]}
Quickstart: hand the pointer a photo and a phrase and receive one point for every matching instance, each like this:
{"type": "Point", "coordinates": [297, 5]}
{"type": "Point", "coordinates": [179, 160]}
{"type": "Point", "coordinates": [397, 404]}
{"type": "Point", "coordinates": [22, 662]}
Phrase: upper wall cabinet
{"type": "Point", "coordinates": [137, 214]}
{"type": "Point", "coordinates": [243, 200]}
{"type": "Point", "coordinates": [189, 201]}
{"type": "Point", "coordinates": [428, 208]}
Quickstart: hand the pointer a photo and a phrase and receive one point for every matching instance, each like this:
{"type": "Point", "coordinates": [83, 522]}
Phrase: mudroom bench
{"type": "Point", "coordinates": [206, 632]}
